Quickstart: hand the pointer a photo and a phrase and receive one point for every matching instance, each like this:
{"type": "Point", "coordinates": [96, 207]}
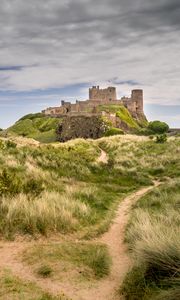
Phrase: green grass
{"type": "Point", "coordinates": [152, 236]}
{"type": "Point", "coordinates": [61, 188]}
{"type": "Point", "coordinates": [36, 126]}
{"type": "Point", "coordinates": [82, 259]}
{"type": "Point", "coordinates": [114, 131]}
{"type": "Point", "coordinates": [13, 288]}
{"type": "Point", "coordinates": [124, 115]}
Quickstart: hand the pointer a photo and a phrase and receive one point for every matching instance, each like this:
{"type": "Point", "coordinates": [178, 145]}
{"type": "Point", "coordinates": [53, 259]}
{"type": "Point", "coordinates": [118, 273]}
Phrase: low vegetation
{"type": "Point", "coordinates": [124, 115]}
{"type": "Point", "coordinates": [152, 236]}
{"type": "Point", "coordinates": [13, 288]}
{"type": "Point", "coordinates": [114, 131]}
{"type": "Point", "coordinates": [79, 260]}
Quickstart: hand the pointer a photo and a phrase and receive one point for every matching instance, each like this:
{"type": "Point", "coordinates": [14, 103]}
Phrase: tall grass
{"type": "Point", "coordinates": [35, 178]}
{"type": "Point", "coordinates": [49, 212]}
{"type": "Point", "coordinates": [153, 239]}
{"type": "Point", "coordinates": [144, 155]}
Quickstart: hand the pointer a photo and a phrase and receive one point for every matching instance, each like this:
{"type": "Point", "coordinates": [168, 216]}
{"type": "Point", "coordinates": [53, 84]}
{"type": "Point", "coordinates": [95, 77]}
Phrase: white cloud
{"type": "Point", "coordinates": [68, 42]}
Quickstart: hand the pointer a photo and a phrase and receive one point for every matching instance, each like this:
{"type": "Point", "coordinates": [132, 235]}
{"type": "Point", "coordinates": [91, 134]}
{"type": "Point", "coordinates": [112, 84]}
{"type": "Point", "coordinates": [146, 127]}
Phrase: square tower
{"type": "Point", "coordinates": [107, 95]}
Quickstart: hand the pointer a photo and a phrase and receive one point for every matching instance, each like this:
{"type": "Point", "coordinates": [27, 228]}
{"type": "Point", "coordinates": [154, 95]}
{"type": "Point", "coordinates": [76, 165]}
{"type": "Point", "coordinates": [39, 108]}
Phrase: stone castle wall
{"type": "Point", "coordinates": [98, 97]}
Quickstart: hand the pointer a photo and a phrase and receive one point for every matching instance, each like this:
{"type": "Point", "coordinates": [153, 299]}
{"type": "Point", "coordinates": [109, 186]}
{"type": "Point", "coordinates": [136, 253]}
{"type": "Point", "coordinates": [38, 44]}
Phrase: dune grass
{"type": "Point", "coordinates": [78, 259]}
{"type": "Point", "coordinates": [61, 188]}
{"type": "Point", "coordinates": [152, 236]}
{"type": "Point", "coordinates": [55, 189]}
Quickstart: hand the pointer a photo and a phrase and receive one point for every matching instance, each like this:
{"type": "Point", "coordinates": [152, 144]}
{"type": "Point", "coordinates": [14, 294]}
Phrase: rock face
{"type": "Point", "coordinates": [80, 127]}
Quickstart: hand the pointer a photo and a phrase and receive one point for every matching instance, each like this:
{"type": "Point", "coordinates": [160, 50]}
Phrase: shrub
{"type": "Point", "coordinates": [158, 127]}
{"type": "Point", "coordinates": [160, 139]}
{"type": "Point", "coordinates": [2, 145]}
{"type": "Point", "coordinates": [114, 131]}
{"type": "Point", "coordinates": [143, 131]}
{"type": "Point", "coordinates": [33, 186]}
{"type": "Point", "coordinates": [10, 144]}
{"type": "Point", "coordinates": [10, 184]}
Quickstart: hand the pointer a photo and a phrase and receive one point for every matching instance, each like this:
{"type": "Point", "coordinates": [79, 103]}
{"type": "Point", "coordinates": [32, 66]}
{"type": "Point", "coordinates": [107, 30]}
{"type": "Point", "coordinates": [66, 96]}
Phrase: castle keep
{"type": "Point", "coordinates": [98, 97]}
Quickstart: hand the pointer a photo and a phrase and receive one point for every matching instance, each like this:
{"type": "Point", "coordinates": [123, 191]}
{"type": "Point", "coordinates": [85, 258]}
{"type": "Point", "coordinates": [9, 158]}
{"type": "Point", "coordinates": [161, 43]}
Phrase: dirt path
{"type": "Point", "coordinates": [103, 158]}
{"type": "Point", "coordinates": [121, 262]}
{"type": "Point", "coordinates": [105, 289]}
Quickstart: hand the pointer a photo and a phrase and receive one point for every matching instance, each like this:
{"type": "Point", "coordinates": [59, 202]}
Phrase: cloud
{"type": "Point", "coordinates": [11, 68]}
{"type": "Point", "coordinates": [69, 42]}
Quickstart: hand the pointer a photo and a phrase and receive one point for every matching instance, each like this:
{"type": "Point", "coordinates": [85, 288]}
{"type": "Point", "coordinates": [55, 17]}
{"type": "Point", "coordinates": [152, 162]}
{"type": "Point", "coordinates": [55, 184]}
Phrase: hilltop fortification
{"type": "Point", "coordinates": [98, 97]}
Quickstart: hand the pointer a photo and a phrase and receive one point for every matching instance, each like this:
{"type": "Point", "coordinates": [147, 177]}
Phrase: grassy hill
{"type": "Point", "coordinates": [36, 126]}
{"type": "Point", "coordinates": [43, 128]}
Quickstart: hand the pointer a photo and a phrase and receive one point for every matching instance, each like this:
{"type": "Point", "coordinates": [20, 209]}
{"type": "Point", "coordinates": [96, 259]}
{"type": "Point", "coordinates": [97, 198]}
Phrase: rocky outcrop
{"type": "Point", "coordinates": [81, 127]}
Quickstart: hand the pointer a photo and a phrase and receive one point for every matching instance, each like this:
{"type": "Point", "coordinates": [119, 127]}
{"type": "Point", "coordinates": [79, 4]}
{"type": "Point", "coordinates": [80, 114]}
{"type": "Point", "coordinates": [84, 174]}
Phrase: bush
{"type": "Point", "coordinates": [160, 139]}
{"type": "Point", "coordinates": [158, 127]}
{"type": "Point", "coordinates": [10, 144]}
{"type": "Point", "coordinates": [2, 145]}
{"type": "Point", "coordinates": [144, 131]}
{"type": "Point", "coordinates": [114, 131]}
{"type": "Point", "coordinates": [9, 183]}
{"type": "Point", "coordinates": [33, 187]}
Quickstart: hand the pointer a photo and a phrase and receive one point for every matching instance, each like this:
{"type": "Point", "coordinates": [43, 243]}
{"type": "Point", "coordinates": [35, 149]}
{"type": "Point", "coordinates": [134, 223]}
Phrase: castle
{"type": "Point", "coordinates": [97, 97]}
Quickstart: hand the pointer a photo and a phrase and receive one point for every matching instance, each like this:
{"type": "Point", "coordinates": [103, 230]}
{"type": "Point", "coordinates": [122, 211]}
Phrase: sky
{"type": "Point", "coordinates": [53, 50]}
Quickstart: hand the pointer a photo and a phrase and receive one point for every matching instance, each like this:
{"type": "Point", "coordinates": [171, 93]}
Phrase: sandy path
{"type": "Point", "coordinates": [105, 289]}
{"type": "Point", "coordinates": [103, 158]}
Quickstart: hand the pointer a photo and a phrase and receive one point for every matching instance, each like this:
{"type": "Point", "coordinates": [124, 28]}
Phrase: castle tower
{"type": "Point", "coordinates": [137, 98]}
{"type": "Point", "coordinates": [106, 95]}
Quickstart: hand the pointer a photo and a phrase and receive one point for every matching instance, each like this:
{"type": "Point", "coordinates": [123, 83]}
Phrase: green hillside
{"type": "Point", "coordinates": [124, 115]}
{"type": "Point", "coordinates": [36, 126]}
{"type": "Point", "coordinates": [44, 128]}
